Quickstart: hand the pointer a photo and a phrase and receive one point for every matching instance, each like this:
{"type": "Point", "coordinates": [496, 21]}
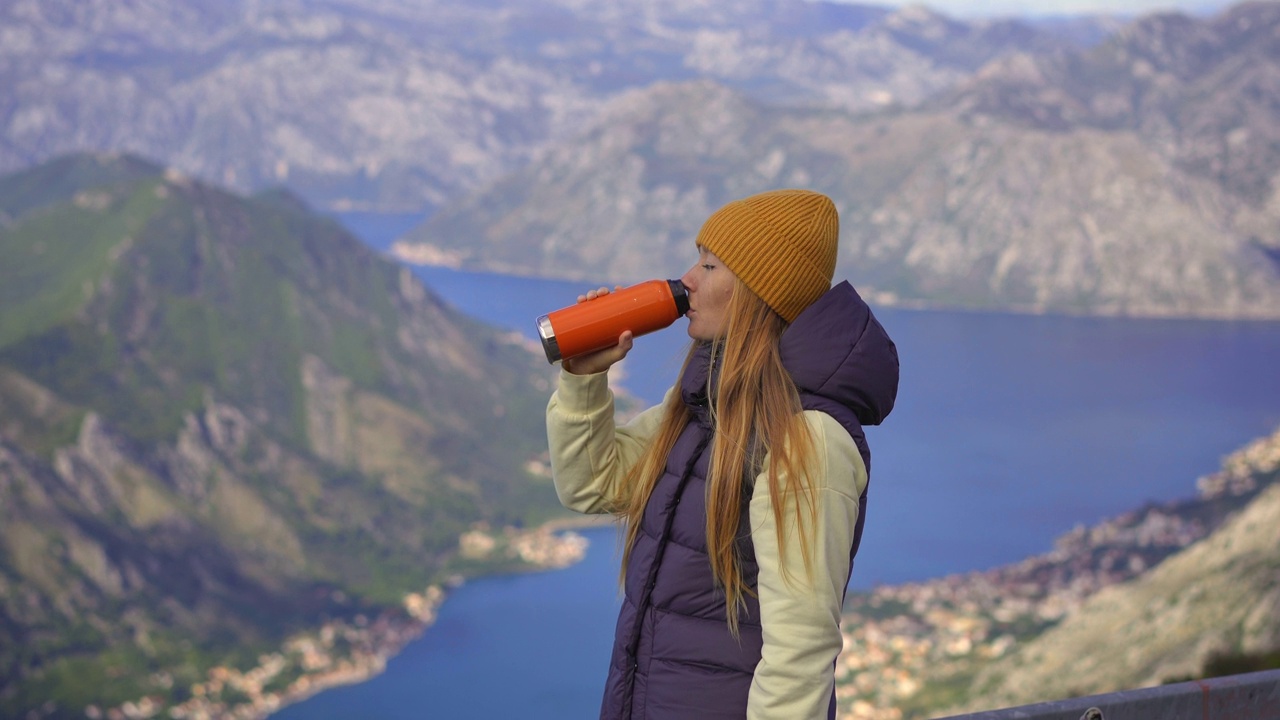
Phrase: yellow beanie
{"type": "Point", "coordinates": [781, 244]}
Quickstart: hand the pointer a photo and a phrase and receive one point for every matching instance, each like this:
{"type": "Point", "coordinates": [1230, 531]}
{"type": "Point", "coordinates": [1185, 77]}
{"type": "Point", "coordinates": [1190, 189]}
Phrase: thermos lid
{"type": "Point", "coordinates": [681, 295]}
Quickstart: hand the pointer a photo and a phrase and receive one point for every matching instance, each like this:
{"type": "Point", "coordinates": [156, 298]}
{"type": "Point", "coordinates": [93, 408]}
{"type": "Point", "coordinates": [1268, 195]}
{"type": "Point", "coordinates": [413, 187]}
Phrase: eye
{"type": "Point", "coordinates": [708, 266]}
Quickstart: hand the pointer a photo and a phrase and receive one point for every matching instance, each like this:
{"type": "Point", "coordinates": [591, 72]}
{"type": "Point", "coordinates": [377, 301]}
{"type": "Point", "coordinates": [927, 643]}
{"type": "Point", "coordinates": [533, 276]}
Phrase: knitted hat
{"type": "Point", "coordinates": [781, 244]}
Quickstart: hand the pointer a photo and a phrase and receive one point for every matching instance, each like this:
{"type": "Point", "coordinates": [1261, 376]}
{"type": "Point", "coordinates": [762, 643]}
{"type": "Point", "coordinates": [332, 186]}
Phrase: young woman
{"type": "Point", "coordinates": [743, 494]}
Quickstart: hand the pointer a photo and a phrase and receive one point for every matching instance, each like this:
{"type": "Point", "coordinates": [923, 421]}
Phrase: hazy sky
{"type": "Point", "coordinates": [986, 8]}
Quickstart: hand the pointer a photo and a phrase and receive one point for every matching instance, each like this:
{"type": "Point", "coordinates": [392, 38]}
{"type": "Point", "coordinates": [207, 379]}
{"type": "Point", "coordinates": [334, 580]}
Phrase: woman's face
{"type": "Point", "coordinates": [710, 284]}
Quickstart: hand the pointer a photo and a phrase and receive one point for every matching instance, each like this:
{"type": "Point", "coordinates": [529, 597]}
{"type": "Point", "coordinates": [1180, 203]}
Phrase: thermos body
{"type": "Point", "coordinates": [589, 326]}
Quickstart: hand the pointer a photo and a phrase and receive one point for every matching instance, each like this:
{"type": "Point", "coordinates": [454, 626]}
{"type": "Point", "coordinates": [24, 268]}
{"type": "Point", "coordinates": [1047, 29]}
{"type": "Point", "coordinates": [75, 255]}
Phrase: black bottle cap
{"type": "Point", "coordinates": [681, 294]}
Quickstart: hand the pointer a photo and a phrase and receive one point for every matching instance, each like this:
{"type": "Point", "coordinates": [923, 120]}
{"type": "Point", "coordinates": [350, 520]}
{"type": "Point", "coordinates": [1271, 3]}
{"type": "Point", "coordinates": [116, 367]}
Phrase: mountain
{"type": "Point", "coordinates": [981, 199]}
{"type": "Point", "coordinates": [1220, 596]}
{"type": "Point", "coordinates": [1165, 592]}
{"type": "Point", "coordinates": [1200, 90]}
{"type": "Point", "coordinates": [403, 106]}
{"type": "Point", "coordinates": [224, 421]}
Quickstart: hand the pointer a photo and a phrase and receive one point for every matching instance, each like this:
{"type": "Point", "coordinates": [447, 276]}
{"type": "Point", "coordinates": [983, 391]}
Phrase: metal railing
{"type": "Point", "coordinates": [1252, 696]}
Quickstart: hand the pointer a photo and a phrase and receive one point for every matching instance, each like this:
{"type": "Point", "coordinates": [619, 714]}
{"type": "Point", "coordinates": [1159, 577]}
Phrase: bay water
{"type": "Point", "coordinates": [1009, 430]}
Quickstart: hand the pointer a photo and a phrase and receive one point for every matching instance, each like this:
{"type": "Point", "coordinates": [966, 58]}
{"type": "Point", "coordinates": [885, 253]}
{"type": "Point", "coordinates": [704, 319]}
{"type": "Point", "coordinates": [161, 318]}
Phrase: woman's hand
{"type": "Point", "coordinates": [600, 360]}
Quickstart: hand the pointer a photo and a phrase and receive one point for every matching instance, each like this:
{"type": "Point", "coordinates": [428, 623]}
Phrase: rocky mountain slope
{"type": "Point", "coordinates": [223, 420]}
{"type": "Point", "coordinates": [405, 105]}
{"type": "Point", "coordinates": [1221, 595]}
{"type": "Point", "coordinates": [1150, 596]}
{"type": "Point", "coordinates": [1200, 91]}
{"type": "Point", "coordinates": [996, 197]}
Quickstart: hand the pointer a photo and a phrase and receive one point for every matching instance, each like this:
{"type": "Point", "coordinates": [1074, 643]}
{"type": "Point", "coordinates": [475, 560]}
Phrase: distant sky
{"type": "Point", "coordinates": [989, 8]}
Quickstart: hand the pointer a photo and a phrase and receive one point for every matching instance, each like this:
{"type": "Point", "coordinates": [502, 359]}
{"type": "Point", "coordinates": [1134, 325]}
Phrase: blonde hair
{"type": "Point", "coordinates": [755, 410]}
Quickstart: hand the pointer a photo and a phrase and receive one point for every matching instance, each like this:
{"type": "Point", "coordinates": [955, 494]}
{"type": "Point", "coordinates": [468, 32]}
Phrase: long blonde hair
{"type": "Point", "coordinates": [755, 409]}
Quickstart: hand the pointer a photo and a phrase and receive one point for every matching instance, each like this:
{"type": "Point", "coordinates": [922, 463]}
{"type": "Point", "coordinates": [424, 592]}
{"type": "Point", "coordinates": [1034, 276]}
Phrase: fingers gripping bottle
{"type": "Point", "coordinates": [596, 324]}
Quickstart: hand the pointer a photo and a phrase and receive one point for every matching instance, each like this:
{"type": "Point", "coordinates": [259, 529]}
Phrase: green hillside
{"type": "Point", "coordinates": [222, 420]}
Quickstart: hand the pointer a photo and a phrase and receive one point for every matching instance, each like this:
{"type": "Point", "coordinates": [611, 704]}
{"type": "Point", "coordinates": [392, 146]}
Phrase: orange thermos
{"type": "Point", "coordinates": [589, 326]}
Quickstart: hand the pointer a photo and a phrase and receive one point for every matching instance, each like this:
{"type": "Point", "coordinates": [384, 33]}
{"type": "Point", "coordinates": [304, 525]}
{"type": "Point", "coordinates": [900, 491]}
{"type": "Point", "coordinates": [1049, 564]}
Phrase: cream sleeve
{"type": "Point", "coordinates": [800, 614]}
{"type": "Point", "coordinates": [590, 455]}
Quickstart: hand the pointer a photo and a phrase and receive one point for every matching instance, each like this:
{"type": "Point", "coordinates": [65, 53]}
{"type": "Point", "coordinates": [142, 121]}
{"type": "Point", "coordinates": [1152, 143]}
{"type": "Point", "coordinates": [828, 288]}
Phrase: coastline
{"type": "Point", "coordinates": [343, 653]}
{"type": "Point", "coordinates": [904, 644]}
{"type": "Point", "coordinates": [912, 650]}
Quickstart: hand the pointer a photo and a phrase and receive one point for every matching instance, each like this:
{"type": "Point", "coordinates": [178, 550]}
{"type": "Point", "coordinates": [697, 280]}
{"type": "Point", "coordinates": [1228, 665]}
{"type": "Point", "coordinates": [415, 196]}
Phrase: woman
{"type": "Point", "coordinates": [743, 493]}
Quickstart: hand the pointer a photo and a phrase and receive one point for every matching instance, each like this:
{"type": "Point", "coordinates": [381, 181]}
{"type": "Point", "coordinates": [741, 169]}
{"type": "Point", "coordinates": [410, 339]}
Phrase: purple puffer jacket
{"type": "Point", "coordinates": [673, 655]}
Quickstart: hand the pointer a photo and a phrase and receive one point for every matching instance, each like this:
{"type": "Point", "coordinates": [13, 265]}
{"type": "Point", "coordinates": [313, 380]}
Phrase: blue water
{"type": "Point", "coordinates": [522, 646]}
{"type": "Point", "coordinates": [379, 230]}
{"type": "Point", "coordinates": [1009, 430]}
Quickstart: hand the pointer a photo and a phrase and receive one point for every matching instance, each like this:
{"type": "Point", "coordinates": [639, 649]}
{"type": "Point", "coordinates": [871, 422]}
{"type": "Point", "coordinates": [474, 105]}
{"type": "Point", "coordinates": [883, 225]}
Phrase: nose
{"type": "Point", "coordinates": [688, 280]}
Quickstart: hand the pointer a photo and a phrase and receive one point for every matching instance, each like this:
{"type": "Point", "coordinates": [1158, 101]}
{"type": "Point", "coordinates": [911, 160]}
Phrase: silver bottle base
{"type": "Point", "coordinates": [548, 337]}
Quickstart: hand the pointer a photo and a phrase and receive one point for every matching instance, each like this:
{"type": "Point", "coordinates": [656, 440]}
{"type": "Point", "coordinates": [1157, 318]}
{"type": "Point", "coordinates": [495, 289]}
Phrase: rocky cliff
{"type": "Point", "coordinates": [405, 105]}
{"type": "Point", "coordinates": [223, 420]}
{"type": "Point", "coordinates": [1132, 178]}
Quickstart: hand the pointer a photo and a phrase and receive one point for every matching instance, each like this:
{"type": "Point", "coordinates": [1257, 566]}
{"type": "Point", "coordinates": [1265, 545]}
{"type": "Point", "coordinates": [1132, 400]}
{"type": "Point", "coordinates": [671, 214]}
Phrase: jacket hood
{"type": "Point", "coordinates": [837, 349]}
